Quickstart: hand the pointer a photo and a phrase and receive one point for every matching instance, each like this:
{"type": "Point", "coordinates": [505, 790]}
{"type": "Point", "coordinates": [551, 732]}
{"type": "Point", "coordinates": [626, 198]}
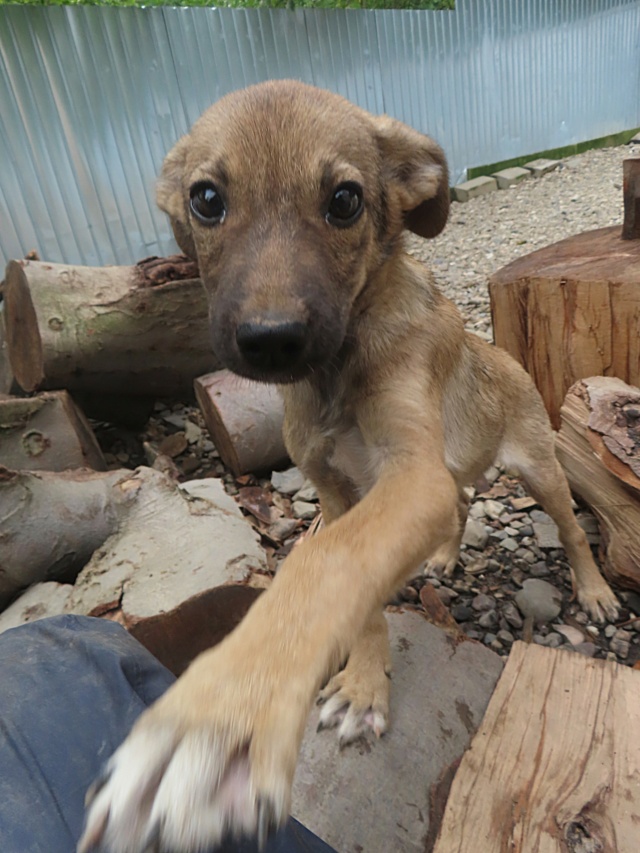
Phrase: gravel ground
{"type": "Point", "coordinates": [511, 561]}
{"type": "Point", "coordinates": [484, 234]}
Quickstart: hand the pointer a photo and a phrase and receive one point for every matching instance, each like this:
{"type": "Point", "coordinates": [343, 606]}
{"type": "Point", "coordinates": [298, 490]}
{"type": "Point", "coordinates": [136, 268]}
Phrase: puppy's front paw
{"type": "Point", "coordinates": [214, 757]}
{"type": "Point", "coordinates": [356, 703]}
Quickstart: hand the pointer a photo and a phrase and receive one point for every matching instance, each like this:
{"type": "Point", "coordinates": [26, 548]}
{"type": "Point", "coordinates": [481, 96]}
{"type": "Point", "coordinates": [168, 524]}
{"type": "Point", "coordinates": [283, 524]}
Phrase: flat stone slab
{"type": "Point", "coordinates": [541, 166]}
{"type": "Point", "coordinates": [374, 796]}
{"type": "Point", "coordinates": [475, 187]}
{"type": "Point", "coordinates": [510, 177]}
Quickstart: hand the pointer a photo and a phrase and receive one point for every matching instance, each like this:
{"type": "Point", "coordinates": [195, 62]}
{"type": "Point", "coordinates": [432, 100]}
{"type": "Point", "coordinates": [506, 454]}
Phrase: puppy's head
{"type": "Point", "coordinates": [292, 199]}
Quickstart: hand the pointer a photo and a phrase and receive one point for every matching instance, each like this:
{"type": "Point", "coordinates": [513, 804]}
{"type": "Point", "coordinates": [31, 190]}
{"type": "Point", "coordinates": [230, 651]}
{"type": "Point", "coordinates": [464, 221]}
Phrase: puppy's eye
{"type": "Point", "coordinates": [346, 205]}
{"type": "Point", "coordinates": [206, 203]}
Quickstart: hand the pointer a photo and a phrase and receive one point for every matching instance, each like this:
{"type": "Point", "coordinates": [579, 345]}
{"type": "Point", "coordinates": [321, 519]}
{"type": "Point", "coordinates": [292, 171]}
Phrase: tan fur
{"type": "Point", "coordinates": [392, 411]}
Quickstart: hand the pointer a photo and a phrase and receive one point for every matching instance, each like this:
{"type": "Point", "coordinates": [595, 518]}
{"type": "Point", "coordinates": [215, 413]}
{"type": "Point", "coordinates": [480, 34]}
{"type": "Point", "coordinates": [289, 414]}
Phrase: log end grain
{"type": "Point", "coordinates": [24, 343]}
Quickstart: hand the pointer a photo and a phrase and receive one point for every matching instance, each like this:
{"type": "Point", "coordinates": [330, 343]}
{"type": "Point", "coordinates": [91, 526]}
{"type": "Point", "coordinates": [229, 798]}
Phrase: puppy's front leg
{"type": "Point", "coordinates": [217, 752]}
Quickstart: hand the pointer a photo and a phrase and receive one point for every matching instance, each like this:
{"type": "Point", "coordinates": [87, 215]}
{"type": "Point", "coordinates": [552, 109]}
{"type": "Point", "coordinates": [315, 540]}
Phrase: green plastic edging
{"type": "Point", "coordinates": [555, 153]}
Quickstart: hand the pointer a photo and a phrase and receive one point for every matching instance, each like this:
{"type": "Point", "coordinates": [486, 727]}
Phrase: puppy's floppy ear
{"type": "Point", "coordinates": [416, 172]}
{"type": "Point", "coordinates": [170, 196]}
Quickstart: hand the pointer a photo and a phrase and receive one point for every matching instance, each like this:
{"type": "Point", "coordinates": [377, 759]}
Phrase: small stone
{"type": "Point", "coordinates": [510, 613]}
{"type": "Point", "coordinates": [546, 536]}
{"type": "Point", "coordinates": [492, 474]}
{"type": "Point", "coordinates": [307, 493]}
{"type": "Point", "coordinates": [475, 535]}
{"type": "Point", "coordinates": [483, 602]}
{"type": "Point", "coordinates": [526, 530]}
{"type": "Point", "coordinates": [489, 639]}
{"type": "Point", "coordinates": [304, 510]}
{"type": "Point", "coordinates": [572, 635]}
{"type": "Point", "coordinates": [173, 445]}
{"type": "Point", "coordinates": [593, 630]}
{"type": "Point", "coordinates": [553, 640]}
{"type": "Point", "coordinates": [609, 631]}
{"type": "Point", "coordinates": [581, 618]}
{"type": "Point", "coordinates": [489, 620]}
{"type": "Point", "coordinates": [190, 464]}
{"type": "Point", "coordinates": [462, 613]}
{"type": "Point", "coordinates": [470, 632]}
{"type": "Point", "coordinates": [282, 528]}
{"type": "Point", "coordinates": [409, 593]}
{"type": "Point", "coordinates": [174, 420]}
{"type": "Point", "coordinates": [477, 510]}
{"type": "Point", "coordinates": [506, 637]}
{"type": "Point", "coordinates": [540, 570]}
{"type": "Point", "coordinates": [288, 482]}
{"type": "Point", "coordinates": [494, 509]}
{"type": "Point", "coordinates": [192, 432]}
{"type": "Point", "coordinates": [586, 649]}
{"type": "Point", "coordinates": [446, 595]}
{"type": "Point", "coordinates": [510, 544]}
{"type": "Point", "coordinates": [539, 599]}
{"type": "Point", "coordinates": [620, 644]}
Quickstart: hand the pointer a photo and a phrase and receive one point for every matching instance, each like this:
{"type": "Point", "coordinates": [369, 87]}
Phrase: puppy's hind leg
{"type": "Point", "coordinates": [445, 559]}
{"type": "Point", "coordinates": [548, 484]}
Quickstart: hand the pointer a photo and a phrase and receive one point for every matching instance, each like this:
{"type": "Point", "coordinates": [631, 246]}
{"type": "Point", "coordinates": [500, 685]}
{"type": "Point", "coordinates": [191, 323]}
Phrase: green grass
{"type": "Point", "coordinates": [433, 5]}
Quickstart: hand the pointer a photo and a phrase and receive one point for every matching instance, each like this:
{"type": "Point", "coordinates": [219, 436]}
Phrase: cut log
{"type": "Point", "coordinates": [7, 382]}
{"type": "Point", "coordinates": [139, 330]}
{"type": "Point", "coordinates": [179, 569]}
{"type": "Point", "coordinates": [555, 763]}
{"type": "Point", "coordinates": [53, 522]}
{"type": "Point", "coordinates": [599, 448]}
{"type": "Point", "coordinates": [571, 310]}
{"type": "Point", "coordinates": [244, 420]}
{"type": "Point", "coordinates": [631, 191]}
{"type": "Point", "coordinates": [47, 433]}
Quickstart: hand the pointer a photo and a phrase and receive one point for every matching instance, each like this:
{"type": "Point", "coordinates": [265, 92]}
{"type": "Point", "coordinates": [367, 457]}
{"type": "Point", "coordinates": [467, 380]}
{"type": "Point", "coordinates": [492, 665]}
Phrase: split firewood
{"type": "Point", "coordinates": [599, 448]}
{"type": "Point", "coordinates": [244, 420]}
{"type": "Point", "coordinates": [555, 763]}
{"type": "Point", "coordinates": [570, 310]}
{"type": "Point", "coordinates": [139, 330]}
{"type": "Point", "coordinates": [46, 432]}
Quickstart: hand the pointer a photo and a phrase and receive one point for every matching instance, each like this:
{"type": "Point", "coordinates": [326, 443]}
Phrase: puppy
{"type": "Point", "coordinates": [293, 201]}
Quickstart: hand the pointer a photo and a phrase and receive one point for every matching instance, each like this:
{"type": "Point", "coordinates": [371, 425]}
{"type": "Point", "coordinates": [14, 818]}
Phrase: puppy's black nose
{"type": "Point", "coordinates": [272, 346]}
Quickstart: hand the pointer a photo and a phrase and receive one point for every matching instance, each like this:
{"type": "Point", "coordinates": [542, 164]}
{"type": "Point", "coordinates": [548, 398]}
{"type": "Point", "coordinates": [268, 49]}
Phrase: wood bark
{"type": "Point", "coordinates": [120, 330]}
{"type": "Point", "coordinates": [631, 193]}
{"type": "Point", "coordinates": [599, 448]}
{"type": "Point", "coordinates": [7, 382]}
{"type": "Point", "coordinates": [244, 420]}
{"type": "Point", "coordinates": [47, 432]}
{"type": "Point", "coordinates": [555, 763]}
{"type": "Point", "coordinates": [571, 310]}
{"type": "Point", "coordinates": [53, 522]}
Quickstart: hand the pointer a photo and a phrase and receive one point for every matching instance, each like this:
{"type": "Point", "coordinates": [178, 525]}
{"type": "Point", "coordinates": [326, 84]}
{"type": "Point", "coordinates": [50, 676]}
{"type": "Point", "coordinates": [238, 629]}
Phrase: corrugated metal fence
{"type": "Point", "coordinates": [92, 98]}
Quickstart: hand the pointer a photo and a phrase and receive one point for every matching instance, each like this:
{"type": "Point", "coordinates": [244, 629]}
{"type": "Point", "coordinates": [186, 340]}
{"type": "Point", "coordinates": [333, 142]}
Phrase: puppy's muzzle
{"type": "Point", "coordinates": [273, 347]}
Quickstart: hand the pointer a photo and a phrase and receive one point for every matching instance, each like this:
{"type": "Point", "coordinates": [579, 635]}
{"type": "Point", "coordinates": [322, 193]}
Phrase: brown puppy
{"type": "Point", "coordinates": [294, 201]}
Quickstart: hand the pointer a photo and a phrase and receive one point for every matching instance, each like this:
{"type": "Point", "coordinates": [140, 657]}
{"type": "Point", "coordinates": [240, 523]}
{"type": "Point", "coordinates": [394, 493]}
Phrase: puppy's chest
{"type": "Point", "coordinates": [351, 457]}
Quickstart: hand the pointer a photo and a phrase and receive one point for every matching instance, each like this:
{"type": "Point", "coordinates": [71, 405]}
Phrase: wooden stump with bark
{"type": "Point", "coordinates": [140, 330]}
{"type": "Point", "coordinates": [599, 448]}
{"type": "Point", "coordinates": [572, 309]}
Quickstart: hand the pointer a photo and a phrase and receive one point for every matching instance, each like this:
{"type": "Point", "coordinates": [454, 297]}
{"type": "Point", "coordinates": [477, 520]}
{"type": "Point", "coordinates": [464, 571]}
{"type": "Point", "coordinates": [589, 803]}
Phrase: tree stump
{"type": "Point", "coordinates": [47, 433]}
{"type": "Point", "coordinates": [140, 330]}
{"type": "Point", "coordinates": [572, 309]}
{"type": "Point", "coordinates": [599, 448]}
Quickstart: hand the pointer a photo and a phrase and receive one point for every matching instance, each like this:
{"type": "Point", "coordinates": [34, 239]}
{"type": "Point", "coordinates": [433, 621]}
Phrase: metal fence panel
{"type": "Point", "coordinates": [92, 98]}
